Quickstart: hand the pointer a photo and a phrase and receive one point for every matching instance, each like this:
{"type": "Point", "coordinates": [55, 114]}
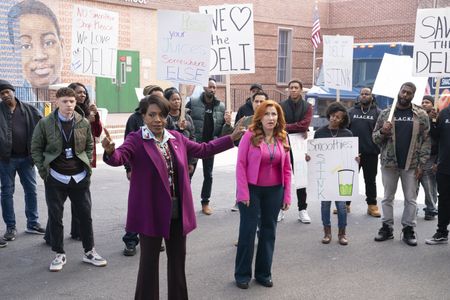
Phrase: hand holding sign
{"type": "Point", "coordinates": [107, 143]}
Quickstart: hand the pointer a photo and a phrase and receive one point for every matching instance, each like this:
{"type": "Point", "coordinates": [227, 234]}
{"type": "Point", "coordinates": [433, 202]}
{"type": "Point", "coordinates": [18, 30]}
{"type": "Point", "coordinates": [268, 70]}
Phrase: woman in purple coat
{"type": "Point", "coordinates": [160, 201]}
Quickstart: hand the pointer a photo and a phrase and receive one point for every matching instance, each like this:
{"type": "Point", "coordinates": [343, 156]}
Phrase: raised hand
{"type": "Point", "coordinates": [227, 117]}
{"type": "Point", "coordinates": [238, 130]}
{"type": "Point", "coordinates": [107, 143]}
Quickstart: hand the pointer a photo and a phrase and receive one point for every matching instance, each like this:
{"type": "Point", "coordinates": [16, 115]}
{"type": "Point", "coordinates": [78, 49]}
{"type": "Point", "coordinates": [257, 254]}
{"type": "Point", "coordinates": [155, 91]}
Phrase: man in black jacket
{"type": "Point", "coordinates": [17, 122]}
{"type": "Point", "coordinates": [246, 109]}
{"type": "Point", "coordinates": [442, 134]}
{"type": "Point", "coordinates": [363, 117]}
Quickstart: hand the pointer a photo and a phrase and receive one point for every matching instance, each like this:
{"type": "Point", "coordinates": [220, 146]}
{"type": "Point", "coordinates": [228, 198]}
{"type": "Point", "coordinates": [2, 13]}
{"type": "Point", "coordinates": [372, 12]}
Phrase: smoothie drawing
{"type": "Point", "coordinates": [345, 181]}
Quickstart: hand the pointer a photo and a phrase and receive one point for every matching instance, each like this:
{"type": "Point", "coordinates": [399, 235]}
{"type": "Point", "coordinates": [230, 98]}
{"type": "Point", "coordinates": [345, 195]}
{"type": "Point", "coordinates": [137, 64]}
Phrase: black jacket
{"type": "Point", "coordinates": [245, 110]}
{"type": "Point", "coordinates": [362, 123]}
{"type": "Point", "coordinates": [32, 116]}
{"type": "Point", "coordinates": [442, 136]}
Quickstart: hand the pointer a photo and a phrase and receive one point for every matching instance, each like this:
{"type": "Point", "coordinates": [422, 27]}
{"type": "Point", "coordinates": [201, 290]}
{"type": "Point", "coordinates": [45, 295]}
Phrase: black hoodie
{"type": "Point", "coordinates": [362, 123]}
{"type": "Point", "coordinates": [442, 135]}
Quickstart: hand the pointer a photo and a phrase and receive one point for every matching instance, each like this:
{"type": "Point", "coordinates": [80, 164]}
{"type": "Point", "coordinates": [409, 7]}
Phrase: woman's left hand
{"type": "Point", "coordinates": [238, 130]}
{"type": "Point", "coordinates": [285, 206]}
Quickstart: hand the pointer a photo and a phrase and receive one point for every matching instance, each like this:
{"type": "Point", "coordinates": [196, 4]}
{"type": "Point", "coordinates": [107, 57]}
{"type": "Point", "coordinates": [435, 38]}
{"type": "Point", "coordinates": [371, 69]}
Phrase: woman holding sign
{"type": "Point", "coordinates": [160, 201]}
{"type": "Point", "coordinates": [263, 175]}
{"type": "Point", "coordinates": [338, 120]}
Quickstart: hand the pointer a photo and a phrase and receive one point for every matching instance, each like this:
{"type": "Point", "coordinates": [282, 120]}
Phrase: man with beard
{"type": "Point", "coordinates": [405, 148]}
{"type": "Point", "coordinates": [363, 117]}
{"type": "Point", "coordinates": [209, 117]}
{"type": "Point", "coordinates": [298, 115]}
{"type": "Point", "coordinates": [17, 122]}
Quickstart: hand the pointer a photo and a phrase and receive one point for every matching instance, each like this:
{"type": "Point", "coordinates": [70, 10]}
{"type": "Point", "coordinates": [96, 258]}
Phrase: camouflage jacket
{"type": "Point", "coordinates": [419, 148]}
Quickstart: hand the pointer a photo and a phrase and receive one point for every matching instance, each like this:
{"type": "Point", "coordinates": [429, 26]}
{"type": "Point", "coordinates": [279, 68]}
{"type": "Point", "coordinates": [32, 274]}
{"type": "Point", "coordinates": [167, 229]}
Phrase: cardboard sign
{"type": "Point", "coordinates": [299, 147]}
{"type": "Point", "coordinates": [183, 47]}
{"type": "Point", "coordinates": [232, 39]}
{"type": "Point", "coordinates": [332, 169]}
{"type": "Point", "coordinates": [94, 41]}
{"type": "Point", "coordinates": [432, 42]}
{"type": "Point", "coordinates": [394, 71]}
{"type": "Point", "coordinates": [338, 62]}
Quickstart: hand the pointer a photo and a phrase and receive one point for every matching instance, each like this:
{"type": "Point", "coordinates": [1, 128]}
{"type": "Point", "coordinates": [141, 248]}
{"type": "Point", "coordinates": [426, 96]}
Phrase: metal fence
{"type": "Point", "coordinates": [39, 98]}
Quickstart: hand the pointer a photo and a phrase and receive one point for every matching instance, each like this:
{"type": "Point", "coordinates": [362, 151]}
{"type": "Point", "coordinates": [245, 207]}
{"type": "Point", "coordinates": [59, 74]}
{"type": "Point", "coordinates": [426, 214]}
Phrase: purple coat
{"type": "Point", "coordinates": [149, 200]}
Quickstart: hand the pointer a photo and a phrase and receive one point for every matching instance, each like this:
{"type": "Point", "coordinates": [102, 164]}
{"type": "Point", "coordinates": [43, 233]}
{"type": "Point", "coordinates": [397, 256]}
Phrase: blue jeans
{"type": "Point", "coordinates": [27, 174]}
{"type": "Point", "coordinates": [265, 203]}
{"type": "Point", "coordinates": [341, 213]}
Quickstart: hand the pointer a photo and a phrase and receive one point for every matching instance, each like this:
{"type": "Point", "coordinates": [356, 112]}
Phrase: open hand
{"type": "Point", "coordinates": [227, 117]}
{"type": "Point", "coordinates": [238, 130]}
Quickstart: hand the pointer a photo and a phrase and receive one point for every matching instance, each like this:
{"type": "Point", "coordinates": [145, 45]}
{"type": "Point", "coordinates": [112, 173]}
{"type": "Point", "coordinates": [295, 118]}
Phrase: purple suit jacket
{"type": "Point", "coordinates": [149, 200]}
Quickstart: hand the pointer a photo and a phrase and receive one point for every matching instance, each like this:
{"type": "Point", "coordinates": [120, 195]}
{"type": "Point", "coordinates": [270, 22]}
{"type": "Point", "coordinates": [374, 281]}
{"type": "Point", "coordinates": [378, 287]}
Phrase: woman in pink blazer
{"type": "Point", "coordinates": [263, 174]}
{"type": "Point", "coordinates": [160, 199]}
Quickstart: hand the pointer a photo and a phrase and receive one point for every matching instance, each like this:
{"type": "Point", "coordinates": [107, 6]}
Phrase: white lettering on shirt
{"type": "Point", "coordinates": [403, 119]}
{"type": "Point", "coordinates": [363, 117]}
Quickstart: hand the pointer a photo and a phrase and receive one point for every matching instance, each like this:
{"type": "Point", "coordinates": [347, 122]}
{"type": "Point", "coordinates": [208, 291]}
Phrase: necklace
{"type": "Point", "coordinates": [331, 132]}
{"type": "Point", "coordinates": [362, 110]}
{"type": "Point", "coordinates": [271, 153]}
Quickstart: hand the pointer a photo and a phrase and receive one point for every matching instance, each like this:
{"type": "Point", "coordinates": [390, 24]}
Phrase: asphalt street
{"type": "Point", "coordinates": [303, 268]}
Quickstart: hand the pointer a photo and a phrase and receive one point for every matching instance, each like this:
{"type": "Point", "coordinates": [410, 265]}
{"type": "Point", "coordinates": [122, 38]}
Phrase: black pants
{"type": "Point", "coordinates": [369, 164]}
{"type": "Point", "coordinates": [443, 186]}
{"type": "Point", "coordinates": [131, 238]}
{"type": "Point", "coordinates": [147, 286]}
{"type": "Point", "coordinates": [56, 194]}
{"type": "Point", "coordinates": [74, 226]}
{"type": "Point", "coordinates": [208, 165]}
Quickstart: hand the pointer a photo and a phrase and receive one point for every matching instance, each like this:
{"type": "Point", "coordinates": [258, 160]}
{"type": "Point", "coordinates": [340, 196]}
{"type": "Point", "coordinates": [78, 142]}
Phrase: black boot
{"type": "Point", "coordinates": [409, 237]}
{"type": "Point", "coordinates": [385, 233]}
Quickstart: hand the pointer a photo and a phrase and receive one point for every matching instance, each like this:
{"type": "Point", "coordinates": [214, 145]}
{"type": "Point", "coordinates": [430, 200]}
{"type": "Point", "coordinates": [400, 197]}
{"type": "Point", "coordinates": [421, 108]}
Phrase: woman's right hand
{"type": "Point", "coordinates": [107, 143]}
{"type": "Point", "coordinates": [238, 131]}
{"type": "Point", "coordinates": [246, 203]}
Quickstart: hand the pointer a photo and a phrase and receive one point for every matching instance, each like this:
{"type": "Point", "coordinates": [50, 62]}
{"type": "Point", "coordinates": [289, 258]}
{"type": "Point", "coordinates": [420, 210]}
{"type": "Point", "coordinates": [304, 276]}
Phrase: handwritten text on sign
{"type": "Point", "coordinates": [94, 41]}
{"type": "Point", "coordinates": [338, 61]}
{"type": "Point", "coordinates": [231, 41]}
{"type": "Point", "coordinates": [432, 42]}
{"type": "Point", "coordinates": [332, 169]}
{"type": "Point", "coordinates": [183, 47]}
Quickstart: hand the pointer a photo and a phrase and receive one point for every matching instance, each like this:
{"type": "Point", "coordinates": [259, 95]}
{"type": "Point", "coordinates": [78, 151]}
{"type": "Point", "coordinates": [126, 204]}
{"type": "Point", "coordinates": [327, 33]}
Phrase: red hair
{"type": "Point", "coordinates": [279, 131]}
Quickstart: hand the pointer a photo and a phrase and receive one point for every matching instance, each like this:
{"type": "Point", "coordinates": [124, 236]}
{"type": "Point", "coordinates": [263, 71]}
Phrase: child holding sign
{"type": "Point", "coordinates": [337, 127]}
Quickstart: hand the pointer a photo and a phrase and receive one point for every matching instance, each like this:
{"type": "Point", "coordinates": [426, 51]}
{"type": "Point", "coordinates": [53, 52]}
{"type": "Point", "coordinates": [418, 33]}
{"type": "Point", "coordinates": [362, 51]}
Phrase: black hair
{"type": "Point", "coordinates": [259, 94]}
{"type": "Point", "coordinates": [296, 81]}
{"type": "Point", "coordinates": [32, 7]}
{"type": "Point", "coordinates": [169, 92]}
{"type": "Point", "coordinates": [161, 102]}
{"type": "Point", "coordinates": [336, 107]}
{"type": "Point", "coordinates": [85, 105]}
{"type": "Point", "coordinates": [409, 84]}
{"type": "Point", "coordinates": [429, 98]}
{"type": "Point", "coordinates": [65, 92]}
{"type": "Point", "coordinates": [212, 79]}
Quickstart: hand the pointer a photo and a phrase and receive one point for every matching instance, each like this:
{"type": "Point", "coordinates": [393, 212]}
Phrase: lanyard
{"type": "Point", "coordinates": [272, 154]}
{"type": "Point", "coordinates": [63, 131]}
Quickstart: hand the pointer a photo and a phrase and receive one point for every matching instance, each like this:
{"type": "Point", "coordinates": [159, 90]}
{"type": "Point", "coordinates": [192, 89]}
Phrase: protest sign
{"type": "Point", "coordinates": [299, 147]}
{"type": "Point", "coordinates": [231, 40]}
{"type": "Point", "coordinates": [94, 41]}
{"type": "Point", "coordinates": [332, 169]}
{"type": "Point", "coordinates": [338, 61]}
{"type": "Point", "coordinates": [394, 71]}
{"type": "Point", "coordinates": [183, 47]}
{"type": "Point", "coordinates": [432, 42]}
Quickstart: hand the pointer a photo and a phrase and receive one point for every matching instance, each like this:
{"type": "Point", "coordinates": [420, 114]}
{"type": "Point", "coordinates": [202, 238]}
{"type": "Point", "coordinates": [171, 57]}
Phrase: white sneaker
{"type": "Point", "coordinates": [280, 216]}
{"type": "Point", "coordinates": [92, 257]}
{"type": "Point", "coordinates": [235, 207]}
{"type": "Point", "coordinates": [58, 263]}
{"type": "Point", "coordinates": [304, 217]}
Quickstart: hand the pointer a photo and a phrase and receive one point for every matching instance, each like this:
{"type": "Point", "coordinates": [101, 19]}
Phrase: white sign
{"type": "Point", "coordinates": [183, 47]}
{"type": "Point", "coordinates": [394, 71]}
{"type": "Point", "coordinates": [299, 147]}
{"type": "Point", "coordinates": [94, 41]}
{"type": "Point", "coordinates": [231, 40]}
{"type": "Point", "coordinates": [432, 42]}
{"type": "Point", "coordinates": [332, 169]}
{"type": "Point", "coordinates": [338, 61]}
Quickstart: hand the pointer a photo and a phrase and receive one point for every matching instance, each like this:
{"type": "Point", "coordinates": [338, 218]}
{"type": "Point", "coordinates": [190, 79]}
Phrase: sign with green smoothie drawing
{"type": "Point", "coordinates": [333, 169]}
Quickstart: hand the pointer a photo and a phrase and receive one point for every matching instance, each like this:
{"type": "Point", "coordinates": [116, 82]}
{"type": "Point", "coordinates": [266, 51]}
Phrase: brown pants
{"type": "Point", "coordinates": [147, 287]}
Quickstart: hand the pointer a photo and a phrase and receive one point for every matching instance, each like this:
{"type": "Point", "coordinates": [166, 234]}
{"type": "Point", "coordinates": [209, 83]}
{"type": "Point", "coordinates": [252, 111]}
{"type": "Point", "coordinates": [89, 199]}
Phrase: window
{"type": "Point", "coordinates": [219, 78]}
{"type": "Point", "coordinates": [284, 55]}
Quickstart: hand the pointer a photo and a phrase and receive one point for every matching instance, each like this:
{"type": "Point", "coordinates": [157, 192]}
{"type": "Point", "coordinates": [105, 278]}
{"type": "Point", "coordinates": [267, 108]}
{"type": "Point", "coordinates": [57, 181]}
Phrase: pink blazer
{"type": "Point", "coordinates": [247, 168]}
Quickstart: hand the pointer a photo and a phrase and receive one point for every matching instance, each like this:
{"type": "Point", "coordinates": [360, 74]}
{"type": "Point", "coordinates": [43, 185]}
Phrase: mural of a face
{"type": "Point", "coordinates": [41, 49]}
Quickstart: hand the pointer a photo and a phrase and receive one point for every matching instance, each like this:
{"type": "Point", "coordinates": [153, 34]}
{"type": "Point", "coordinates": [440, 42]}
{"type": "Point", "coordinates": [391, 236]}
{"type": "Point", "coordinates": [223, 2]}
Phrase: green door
{"type": "Point", "coordinates": [118, 95]}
